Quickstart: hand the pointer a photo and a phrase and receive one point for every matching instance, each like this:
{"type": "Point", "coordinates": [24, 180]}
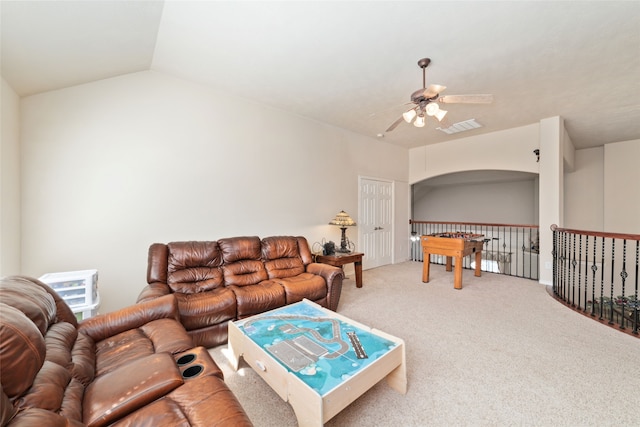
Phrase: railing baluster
{"type": "Point", "coordinates": [586, 270]}
{"type": "Point", "coordinates": [622, 301]}
{"type": "Point", "coordinates": [602, 302]}
{"type": "Point", "coordinates": [565, 279]}
{"type": "Point", "coordinates": [613, 259]}
{"type": "Point", "coordinates": [636, 308]}
{"type": "Point", "coordinates": [594, 268]}
{"type": "Point", "coordinates": [573, 271]}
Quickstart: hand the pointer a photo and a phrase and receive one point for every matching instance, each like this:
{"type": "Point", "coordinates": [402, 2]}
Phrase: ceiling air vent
{"type": "Point", "coordinates": [461, 127]}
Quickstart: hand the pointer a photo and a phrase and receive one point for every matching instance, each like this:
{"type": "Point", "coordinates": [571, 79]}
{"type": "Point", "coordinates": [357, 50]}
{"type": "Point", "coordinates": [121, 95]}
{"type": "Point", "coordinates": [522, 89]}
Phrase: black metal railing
{"type": "Point", "coordinates": [596, 273]}
{"type": "Point", "coordinates": [510, 249]}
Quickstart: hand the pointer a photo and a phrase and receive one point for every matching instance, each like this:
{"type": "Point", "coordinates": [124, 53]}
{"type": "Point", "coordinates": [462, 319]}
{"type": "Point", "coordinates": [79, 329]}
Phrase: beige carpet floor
{"type": "Point", "coordinates": [499, 352]}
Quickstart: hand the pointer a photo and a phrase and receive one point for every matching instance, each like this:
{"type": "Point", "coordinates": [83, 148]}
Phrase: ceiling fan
{"type": "Point", "coordinates": [426, 101]}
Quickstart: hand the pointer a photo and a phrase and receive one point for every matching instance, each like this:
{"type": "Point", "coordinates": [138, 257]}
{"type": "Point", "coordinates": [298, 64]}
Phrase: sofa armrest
{"type": "Point", "coordinates": [153, 290]}
{"type": "Point", "coordinates": [333, 276]}
{"type": "Point", "coordinates": [107, 325]}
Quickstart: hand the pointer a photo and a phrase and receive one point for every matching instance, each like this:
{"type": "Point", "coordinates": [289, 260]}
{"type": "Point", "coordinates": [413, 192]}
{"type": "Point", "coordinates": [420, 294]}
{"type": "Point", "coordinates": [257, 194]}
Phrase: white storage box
{"type": "Point", "coordinates": [79, 289]}
{"type": "Point", "coordinates": [85, 311]}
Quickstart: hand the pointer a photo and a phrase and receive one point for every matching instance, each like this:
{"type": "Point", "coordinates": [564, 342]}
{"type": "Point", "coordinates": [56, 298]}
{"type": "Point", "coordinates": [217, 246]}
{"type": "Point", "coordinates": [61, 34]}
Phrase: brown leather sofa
{"type": "Point", "coordinates": [133, 367]}
{"type": "Point", "coordinates": [220, 281]}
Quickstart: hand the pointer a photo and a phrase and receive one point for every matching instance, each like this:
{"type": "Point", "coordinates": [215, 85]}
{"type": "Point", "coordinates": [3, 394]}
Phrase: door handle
{"type": "Point", "coordinates": [378, 228]}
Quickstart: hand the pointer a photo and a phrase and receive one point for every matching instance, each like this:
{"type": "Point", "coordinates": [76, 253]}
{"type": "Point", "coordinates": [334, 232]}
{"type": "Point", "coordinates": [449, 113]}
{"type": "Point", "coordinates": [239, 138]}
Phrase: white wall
{"type": "Point", "coordinates": [622, 187]}
{"type": "Point", "coordinates": [9, 182]}
{"type": "Point", "coordinates": [512, 202]}
{"type": "Point", "coordinates": [402, 229]}
{"type": "Point", "coordinates": [584, 189]}
{"type": "Point", "coordinates": [511, 149]}
{"type": "Point", "coordinates": [115, 165]}
{"type": "Point", "coordinates": [603, 192]}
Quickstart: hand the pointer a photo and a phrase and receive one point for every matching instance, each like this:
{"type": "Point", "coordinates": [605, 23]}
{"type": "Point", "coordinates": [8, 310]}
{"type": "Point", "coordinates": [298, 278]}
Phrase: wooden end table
{"type": "Point", "coordinates": [340, 259]}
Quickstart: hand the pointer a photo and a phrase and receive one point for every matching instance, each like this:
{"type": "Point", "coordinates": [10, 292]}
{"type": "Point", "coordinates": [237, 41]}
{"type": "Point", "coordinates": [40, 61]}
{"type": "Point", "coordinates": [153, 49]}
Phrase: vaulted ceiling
{"type": "Point", "coordinates": [353, 64]}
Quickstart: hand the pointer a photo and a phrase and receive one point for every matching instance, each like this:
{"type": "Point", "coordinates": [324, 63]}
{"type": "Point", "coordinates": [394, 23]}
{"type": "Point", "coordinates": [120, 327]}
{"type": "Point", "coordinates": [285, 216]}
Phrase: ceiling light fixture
{"type": "Point", "coordinates": [440, 115]}
{"type": "Point", "coordinates": [431, 109]}
{"type": "Point", "coordinates": [409, 115]}
{"type": "Point", "coordinates": [419, 122]}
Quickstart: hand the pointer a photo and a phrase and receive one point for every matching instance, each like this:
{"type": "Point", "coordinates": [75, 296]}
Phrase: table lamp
{"type": "Point", "coordinates": [343, 220]}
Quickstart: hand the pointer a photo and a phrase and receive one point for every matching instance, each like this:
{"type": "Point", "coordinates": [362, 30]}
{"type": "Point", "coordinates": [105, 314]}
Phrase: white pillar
{"type": "Point", "coordinates": [550, 190]}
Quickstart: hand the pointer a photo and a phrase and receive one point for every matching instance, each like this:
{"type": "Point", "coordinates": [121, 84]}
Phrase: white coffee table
{"type": "Point", "coordinates": [316, 359]}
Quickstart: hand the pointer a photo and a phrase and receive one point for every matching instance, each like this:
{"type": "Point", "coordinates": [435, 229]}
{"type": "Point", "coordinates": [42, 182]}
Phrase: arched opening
{"type": "Point", "coordinates": [495, 196]}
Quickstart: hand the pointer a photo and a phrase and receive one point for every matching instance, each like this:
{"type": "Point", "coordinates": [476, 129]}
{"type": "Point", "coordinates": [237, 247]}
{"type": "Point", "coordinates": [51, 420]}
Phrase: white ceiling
{"type": "Point", "coordinates": [353, 64]}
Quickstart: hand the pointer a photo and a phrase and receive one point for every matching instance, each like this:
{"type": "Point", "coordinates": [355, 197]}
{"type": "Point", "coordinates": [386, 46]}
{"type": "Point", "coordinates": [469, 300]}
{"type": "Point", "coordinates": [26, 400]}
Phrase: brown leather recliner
{"type": "Point", "coordinates": [124, 368]}
{"type": "Point", "coordinates": [220, 281]}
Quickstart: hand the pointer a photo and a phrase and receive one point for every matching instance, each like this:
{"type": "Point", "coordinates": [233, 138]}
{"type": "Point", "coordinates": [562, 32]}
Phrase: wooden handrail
{"type": "Point", "coordinates": [485, 224]}
{"type": "Point", "coordinates": [626, 236]}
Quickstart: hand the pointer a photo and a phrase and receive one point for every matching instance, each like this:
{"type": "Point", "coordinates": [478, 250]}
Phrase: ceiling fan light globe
{"type": "Point", "coordinates": [440, 115]}
{"type": "Point", "coordinates": [432, 109]}
{"type": "Point", "coordinates": [409, 115]}
{"type": "Point", "coordinates": [419, 122]}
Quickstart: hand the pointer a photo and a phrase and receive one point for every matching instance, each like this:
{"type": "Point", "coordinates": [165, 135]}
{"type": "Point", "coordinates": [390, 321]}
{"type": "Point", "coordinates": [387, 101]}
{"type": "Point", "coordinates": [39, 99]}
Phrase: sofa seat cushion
{"type": "Point", "coordinates": [129, 388]}
{"type": "Point", "coordinates": [202, 402]}
{"type": "Point", "coordinates": [206, 308]}
{"type": "Point", "coordinates": [305, 285]}
{"type": "Point", "coordinates": [162, 335]}
{"type": "Point", "coordinates": [211, 336]}
{"type": "Point", "coordinates": [259, 298]}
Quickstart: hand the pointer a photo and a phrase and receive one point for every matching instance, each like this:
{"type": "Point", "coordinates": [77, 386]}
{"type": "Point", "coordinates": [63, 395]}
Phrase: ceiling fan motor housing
{"type": "Point", "coordinates": [418, 97]}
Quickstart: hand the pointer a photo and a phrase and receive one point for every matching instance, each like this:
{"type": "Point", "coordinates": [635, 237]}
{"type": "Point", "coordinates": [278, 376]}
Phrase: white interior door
{"type": "Point", "coordinates": [375, 222]}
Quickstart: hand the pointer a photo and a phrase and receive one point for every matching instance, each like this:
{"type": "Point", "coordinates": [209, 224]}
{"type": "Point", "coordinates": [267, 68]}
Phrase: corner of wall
{"type": "Point", "coordinates": [10, 237]}
{"type": "Point", "coordinates": [569, 151]}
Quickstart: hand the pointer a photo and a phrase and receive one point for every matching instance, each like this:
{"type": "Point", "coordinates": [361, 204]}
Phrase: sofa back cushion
{"type": "Point", "coordinates": [242, 261]}
{"type": "Point", "coordinates": [194, 266]}
{"type": "Point", "coordinates": [22, 351]}
{"type": "Point", "coordinates": [282, 257]}
{"type": "Point", "coordinates": [32, 300]}
{"type": "Point", "coordinates": [42, 370]}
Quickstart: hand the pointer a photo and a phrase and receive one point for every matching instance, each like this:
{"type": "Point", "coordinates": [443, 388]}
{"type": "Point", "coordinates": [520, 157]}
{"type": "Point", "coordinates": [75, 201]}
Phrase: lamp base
{"type": "Point", "coordinates": [343, 242]}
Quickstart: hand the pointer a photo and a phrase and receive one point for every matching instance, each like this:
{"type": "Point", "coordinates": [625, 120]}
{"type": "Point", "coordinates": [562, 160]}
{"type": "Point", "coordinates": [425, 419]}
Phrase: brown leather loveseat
{"type": "Point", "coordinates": [131, 367]}
{"type": "Point", "coordinates": [220, 281]}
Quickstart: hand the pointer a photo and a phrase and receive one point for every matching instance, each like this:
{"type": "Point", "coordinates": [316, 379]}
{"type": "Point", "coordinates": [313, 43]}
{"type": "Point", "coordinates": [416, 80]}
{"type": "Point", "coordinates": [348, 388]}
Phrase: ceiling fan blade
{"type": "Point", "coordinates": [466, 99]}
{"type": "Point", "coordinates": [395, 124]}
{"type": "Point", "coordinates": [433, 90]}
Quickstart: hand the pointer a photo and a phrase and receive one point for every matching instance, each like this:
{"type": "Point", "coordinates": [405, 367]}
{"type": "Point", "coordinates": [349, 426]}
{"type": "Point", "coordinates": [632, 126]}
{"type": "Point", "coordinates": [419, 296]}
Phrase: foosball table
{"type": "Point", "coordinates": [452, 245]}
